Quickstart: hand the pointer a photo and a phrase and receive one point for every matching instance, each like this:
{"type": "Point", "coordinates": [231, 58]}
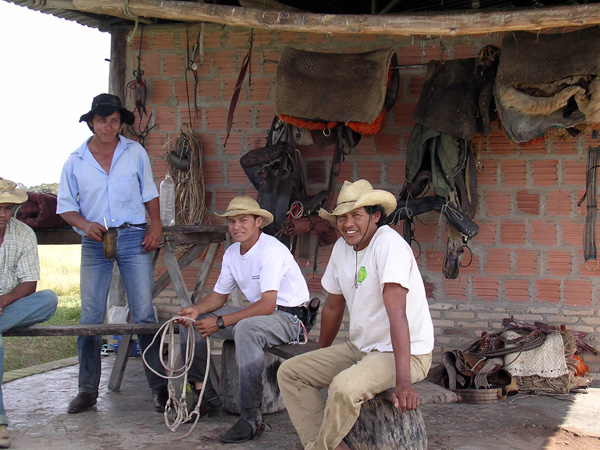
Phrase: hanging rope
{"type": "Point", "coordinates": [177, 407]}
{"type": "Point", "coordinates": [187, 172]}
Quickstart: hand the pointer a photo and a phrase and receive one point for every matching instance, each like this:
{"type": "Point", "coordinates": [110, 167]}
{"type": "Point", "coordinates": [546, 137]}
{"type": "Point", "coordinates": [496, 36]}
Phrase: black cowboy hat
{"type": "Point", "coordinates": [106, 104]}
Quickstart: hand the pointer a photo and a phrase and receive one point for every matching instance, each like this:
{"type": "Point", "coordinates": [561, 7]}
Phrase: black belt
{"type": "Point", "coordinates": [125, 225]}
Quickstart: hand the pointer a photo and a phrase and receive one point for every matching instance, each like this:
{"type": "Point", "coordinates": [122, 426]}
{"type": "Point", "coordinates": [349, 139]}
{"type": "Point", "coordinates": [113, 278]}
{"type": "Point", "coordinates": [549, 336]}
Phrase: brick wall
{"type": "Point", "coordinates": [527, 260]}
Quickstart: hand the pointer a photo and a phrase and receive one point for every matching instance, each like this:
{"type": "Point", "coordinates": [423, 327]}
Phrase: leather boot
{"type": "Point", "coordinates": [160, 396]}
{"type": "Point", "coordinates": [209, 406]}
{"type": "Point", "coordinates": [82, 401]}
{"type": "Point", "coordinates": [242, 431]}
{"type": "Point", "coordinates": [4, 437]}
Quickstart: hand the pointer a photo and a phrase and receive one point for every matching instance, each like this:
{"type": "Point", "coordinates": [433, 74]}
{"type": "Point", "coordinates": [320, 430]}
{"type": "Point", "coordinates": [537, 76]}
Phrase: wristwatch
{"type": "Point", "coordinates": [220, 322]}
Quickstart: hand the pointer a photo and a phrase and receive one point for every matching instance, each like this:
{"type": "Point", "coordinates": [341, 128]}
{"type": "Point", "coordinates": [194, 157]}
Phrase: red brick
{"type": "Point", "coordinates": [578, 292]}
{"type": "Point", "coordinates": [403, 113]}
{"type": "Point", "coordinates": [545, 172]}
{"type": "Point", "coordinates": [160, 91]}
{"type": "Point", "coordinates": [370, 171]}
{"type": "Point", "coordinates": [435, 260]}
{"type": "Point", "coordinates": [498, 261]}
{"type": "Point", "coordinates": [173, 65]}
{"type": "Point", "coordinates": [150, 64]}
{"type": "Point", "coordinates": [487, 233]}
{"type": "Point", "coordinates": [512, 233]}
{"type": "Point", "coordinates": [516, 290]}
{"type": "Point", "coordinates": [564, 146]}
{"type": "Point", "coordinates": [229, 62]}
{"type": "Point", "coordinates": [469, 263]}
{"type": "Point", "coordinates": [387, 144]}
{"type": "Point", "coordinates": [213, 172]}
{"type": "Point", "coordinates": [547, 290]}
{"type": "Point", "coordinates": [486, 288]}
{"type": "Point", "coordinates": [558, 263]}
{"type": "Point", "coordinates": [574, 172]}
{"type": "Point", "coordinates": [498, 203]}
{"type": "Point", "coordinates": [534, 147]}
{"type": "Point", "coordinates": [527, 262]}
{"type": "Point", "coordinates": [397, 172]}
{"type": "Point", "coordinates": [571, 233]}
{"type": "Point", "coordinates": [163, 41]}
{"type": "Point", "coordinates": [500, 145]}
{"type": "Point", "coordinates": [235, 173]}
{"type": "Point", "coordinates": [543, 233]}
{"type": "Point", "coordinates": [365, 148]}
{"type": "Point", "coordinates": [558, 203]}
{"type": "Point", "coordinates": [261, 89]}
{"type": "Point", "coordinates": [165, 118]}
{"type": "Point", "coordinates": [455, 289]}
{"type": "Point", "coordinates": [489, 175]}
{"type": "Point", "coordinates": [513, 171]}
{"type": "Point", "coordinates": [528, 202]}
{"type": "Point", "coordinates": [209, 91]}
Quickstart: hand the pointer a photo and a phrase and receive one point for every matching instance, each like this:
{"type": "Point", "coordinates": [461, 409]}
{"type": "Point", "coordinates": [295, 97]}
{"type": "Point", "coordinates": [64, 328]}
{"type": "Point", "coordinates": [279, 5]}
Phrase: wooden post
{"type": "Point", "coordinates": [381, 426]}
{"type": "Point", "coordinates": [118, 64]}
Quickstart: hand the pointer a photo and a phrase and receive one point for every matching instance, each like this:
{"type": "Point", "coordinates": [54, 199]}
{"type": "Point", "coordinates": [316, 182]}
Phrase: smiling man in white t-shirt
{"type": "Point", "coordinates": [373, 272]}
{"type": "Point", "coordinates": [269, 277]}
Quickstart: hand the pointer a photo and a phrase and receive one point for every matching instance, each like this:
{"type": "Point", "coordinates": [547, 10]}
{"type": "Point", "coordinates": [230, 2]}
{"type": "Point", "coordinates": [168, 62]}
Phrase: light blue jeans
{"type": "Point", "coordinates": [135, 267]}
{"type": "Point", "coordinates": [25, 312]}
{"type": "Point", "coordinates": [251, 336]}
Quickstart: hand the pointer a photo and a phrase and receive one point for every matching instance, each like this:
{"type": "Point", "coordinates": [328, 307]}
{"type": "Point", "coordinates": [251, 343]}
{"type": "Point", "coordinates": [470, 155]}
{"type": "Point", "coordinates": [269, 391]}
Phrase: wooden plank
{"type": "Point", "coordinates": [116, 375]}
{"type": "Point", "coordinates": [209, 261]}
{"type": "Point", "coordinates": [391, 25]}
{"type": "Point", "coordinates": [185, 260]}
{"type": "Point", "coordinates": [176, 277]}
{"type": "Point", "coordinates": [85, 329]}
{"type": "Point", "coordinates": [57, 236]}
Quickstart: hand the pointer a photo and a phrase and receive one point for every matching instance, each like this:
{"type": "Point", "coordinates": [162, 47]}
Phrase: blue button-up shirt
{"type": "Point", "coordinates": [118, 196]}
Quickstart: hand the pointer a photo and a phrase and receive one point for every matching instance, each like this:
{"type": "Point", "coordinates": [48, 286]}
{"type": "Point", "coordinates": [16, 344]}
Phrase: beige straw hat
{"type": "Point", "coordinates": [247, 205]}
{"type": "Point", "coordinates": [9, 193]}
{"type": "Point", "coordinates": [357, 194]}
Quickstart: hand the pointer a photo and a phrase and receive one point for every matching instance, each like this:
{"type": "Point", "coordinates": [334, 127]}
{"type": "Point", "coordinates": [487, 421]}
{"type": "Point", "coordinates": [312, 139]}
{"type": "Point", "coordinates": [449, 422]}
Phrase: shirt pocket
{"type": "Point", "coordinates": [129, 190]}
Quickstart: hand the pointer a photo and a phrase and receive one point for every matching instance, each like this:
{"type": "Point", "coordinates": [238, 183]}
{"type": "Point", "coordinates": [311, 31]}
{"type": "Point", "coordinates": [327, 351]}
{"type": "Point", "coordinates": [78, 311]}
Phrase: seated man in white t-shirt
{"type": "Point", "coordinates": [372, 270]}
{"type": "Point", "coordinates": [267, 274]}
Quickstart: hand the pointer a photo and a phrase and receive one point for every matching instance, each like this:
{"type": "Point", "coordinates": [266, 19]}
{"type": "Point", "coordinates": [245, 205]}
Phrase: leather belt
{"type": "Point", "coordinates": [126, 225]}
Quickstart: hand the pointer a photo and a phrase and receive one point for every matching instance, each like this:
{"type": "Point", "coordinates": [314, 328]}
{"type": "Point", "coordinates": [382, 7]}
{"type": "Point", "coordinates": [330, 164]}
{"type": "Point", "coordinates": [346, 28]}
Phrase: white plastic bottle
{"type": "Point", "coordinates": [167, 201]}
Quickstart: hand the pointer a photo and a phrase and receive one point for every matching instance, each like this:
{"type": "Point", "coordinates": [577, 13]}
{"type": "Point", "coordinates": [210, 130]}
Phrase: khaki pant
{"type": "Point", "coordinates": [352, 376]}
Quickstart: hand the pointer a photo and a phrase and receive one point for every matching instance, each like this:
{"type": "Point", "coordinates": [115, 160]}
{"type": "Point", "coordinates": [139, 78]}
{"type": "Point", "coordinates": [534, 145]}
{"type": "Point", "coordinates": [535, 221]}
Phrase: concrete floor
{"type": "Point", "coordinates": [36, 408]}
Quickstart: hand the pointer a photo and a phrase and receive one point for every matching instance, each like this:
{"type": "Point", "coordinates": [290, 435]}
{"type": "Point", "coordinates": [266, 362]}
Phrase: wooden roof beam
{"type": "Point", "coordinates": [401, 25]}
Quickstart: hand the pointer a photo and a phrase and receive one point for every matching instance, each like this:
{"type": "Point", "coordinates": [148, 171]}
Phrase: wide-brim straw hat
{"type": "Point", "coordinates": [246, 205]}
{"type": "Point", "coordinates": [105, 105]}
{"type": "Point", "coordinates": [358, 194]}
{"type": "Point", "coordinates": [9, 193]}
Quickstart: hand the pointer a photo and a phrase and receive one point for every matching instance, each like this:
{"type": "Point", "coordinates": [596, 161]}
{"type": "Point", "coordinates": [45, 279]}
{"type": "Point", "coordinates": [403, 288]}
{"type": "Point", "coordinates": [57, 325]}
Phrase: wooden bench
{"type": "Point", "coordinates": [380, 425]}
{"type": "Point", "coordinates": [124, 330]}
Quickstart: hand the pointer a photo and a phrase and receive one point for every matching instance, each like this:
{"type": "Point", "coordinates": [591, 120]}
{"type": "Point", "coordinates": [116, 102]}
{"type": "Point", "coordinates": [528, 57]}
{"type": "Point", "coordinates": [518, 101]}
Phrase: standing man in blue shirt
{"type": "Point", "coordinates": [107, 183]}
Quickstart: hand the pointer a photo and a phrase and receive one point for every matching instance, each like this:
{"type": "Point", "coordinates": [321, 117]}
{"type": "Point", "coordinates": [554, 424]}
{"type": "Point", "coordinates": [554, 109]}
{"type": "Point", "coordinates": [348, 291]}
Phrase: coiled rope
{"type": "Point", "coordinates": [177, 407]}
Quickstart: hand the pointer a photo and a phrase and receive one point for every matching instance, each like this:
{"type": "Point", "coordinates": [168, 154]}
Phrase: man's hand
{"type": "Point", "coordinates": [207, 326]}
{"type": "Point", "coordinates": [153, 237]}
{"type": "Point", "coordinates": [94, 231]}
{"type": "Point", "coordinates": [188, 311]}
{"type": "Point", "coordinates": [404, 396]}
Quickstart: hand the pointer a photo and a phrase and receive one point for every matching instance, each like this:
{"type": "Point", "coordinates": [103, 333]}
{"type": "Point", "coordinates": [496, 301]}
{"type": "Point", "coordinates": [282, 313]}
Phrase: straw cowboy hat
{"type": "Point", "coordinates": [247, 205]}
{"type": "Point", "coordinates": [9, 193]}
{"type": "Point", "coordinates": [357, 194]}
{"type": "Point", "coordinates": [106, 104]}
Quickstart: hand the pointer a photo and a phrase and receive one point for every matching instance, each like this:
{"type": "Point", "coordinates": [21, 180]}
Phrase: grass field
{"type": "Point", "coordinates": [59, 272]}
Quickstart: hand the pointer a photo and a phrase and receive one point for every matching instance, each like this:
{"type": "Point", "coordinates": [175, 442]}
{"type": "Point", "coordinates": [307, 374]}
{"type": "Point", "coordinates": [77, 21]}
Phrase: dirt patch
{"type": "Point", "coordinates": [565, 439]}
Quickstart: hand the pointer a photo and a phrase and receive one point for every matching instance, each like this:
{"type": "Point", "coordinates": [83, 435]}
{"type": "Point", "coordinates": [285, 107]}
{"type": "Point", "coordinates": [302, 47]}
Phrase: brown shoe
{"type": "Point", "coordinates": [4, 437]}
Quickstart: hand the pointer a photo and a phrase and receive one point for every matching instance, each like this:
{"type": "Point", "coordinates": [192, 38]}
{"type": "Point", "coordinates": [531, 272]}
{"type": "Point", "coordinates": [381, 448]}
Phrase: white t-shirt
{"type": "Point", "coordinates": [360, 278]}
{"type": "Point", "coordinates": [267, 266]}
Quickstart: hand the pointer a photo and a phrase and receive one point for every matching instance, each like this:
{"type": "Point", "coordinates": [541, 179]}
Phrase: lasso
{"type": "Point", "coordinates": [177, 407]}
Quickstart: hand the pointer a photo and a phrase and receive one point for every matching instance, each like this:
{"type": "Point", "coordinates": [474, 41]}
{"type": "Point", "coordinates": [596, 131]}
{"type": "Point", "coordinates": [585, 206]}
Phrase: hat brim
{"type": "Point", "coordinates": [266, 215]}
{"type": "Point", "coordinates": [376, 197]}
{"type": "Point", "coordinates": [17, 196]}
{"type": "Point", "coordinates": [127, 117]}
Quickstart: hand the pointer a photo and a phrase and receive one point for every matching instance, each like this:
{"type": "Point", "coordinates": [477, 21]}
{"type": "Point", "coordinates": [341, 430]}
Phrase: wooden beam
{"type": "Point", "coordinates": [400, 25]}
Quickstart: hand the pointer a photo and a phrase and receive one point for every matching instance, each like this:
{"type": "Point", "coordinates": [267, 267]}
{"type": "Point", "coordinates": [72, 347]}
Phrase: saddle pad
{"type": "Point", "coordinates": [535, 58]}
{"type": "Point", "coordinates": [332, 86]}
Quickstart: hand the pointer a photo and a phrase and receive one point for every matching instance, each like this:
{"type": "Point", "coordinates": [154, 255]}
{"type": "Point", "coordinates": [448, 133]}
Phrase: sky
{"type": "Point", "coordinates": [50, 71]}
